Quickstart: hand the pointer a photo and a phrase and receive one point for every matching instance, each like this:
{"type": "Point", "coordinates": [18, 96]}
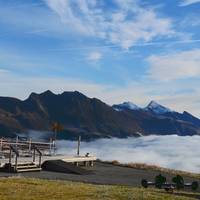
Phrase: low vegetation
{"type": "Point", "coordinates": [32, 189]}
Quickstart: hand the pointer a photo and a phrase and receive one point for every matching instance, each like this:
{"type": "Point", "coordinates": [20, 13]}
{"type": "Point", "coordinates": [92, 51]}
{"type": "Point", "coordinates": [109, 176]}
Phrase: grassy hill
{"type": "Point", "coordinates": [31, 189]}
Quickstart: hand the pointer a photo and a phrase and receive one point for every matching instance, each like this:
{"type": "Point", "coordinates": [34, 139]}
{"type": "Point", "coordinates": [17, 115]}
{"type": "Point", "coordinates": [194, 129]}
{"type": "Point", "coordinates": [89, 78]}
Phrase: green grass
{"type": "Point", "coordinates": [35, 189]}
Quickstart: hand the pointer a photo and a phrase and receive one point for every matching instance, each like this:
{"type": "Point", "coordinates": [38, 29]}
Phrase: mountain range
{"type": "Point", "coordinates": [90, 117]}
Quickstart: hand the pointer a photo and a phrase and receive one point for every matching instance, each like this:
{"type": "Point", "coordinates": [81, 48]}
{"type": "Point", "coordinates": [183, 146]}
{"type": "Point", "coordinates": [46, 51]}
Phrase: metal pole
{"type": "Point", "coordinates": [78, 147]}
{"type": "Point", "coordinates": [54, 147]}
{"type": "Point", "coordinates": [17, 139]}
{"type": "Point", "coordinates": [10, 155]}
{"type": "Point", "coordinates": [55, 136]}
{"type": "Point", "coordinates": [29, 148]}
{"type": "Point", "coordinates": [50, 146]}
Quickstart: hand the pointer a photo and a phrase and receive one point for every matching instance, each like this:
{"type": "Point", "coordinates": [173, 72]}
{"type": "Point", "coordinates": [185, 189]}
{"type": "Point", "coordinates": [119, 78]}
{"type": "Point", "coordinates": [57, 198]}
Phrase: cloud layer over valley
{"type": "Point", "coordinates": [174, 152]}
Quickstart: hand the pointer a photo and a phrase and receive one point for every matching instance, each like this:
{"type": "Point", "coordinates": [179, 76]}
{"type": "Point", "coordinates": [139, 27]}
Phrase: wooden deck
{"type": "Point", "coordinates": [68, 159]}
{"type": "Point", "coordinates": [17, 154]}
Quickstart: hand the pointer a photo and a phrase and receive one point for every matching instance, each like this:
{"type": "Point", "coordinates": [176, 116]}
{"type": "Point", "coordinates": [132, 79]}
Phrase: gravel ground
{"type": "Point", "coordinates": [102, 173]}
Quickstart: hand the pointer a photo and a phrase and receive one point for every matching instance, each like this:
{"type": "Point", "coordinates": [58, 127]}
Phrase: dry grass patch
{"type": "Point", "coordinates": [144, 166]}
{"type": "Point", "coordinates": [35, 189]}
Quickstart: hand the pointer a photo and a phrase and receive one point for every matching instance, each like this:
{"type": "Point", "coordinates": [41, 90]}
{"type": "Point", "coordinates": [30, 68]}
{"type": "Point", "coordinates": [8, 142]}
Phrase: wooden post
{"type": "Point", "coordinates": [16, 163]}
{"type": "Point", "coordinates": [34, 155]}
{"type": "Point", "coordinates": [1, 144]}
{"type": "Point", "coordinates": [40, 159]}
{"type": "Point", "coordinates": [10, 161]}
{"type": "Point", "coordinates": [91, 163]}
{"type": "Point", "coordinates": [78, 147]}
{"type": "Point", "coordinates": [85, 163]}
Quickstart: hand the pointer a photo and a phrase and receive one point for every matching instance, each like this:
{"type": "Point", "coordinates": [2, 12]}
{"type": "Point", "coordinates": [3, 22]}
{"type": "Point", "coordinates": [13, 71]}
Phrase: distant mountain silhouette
{"type": "Point", "coordinates": [90, 117]}
{"type": "Point", "coordinates": [159, 120]}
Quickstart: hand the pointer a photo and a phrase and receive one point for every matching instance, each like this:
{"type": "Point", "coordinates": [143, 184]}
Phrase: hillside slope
{"type": "Point", "coordinates": [77, 113]}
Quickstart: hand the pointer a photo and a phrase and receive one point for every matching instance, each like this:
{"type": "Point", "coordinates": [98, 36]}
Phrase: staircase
{"type": "Point", "coordinates": [22, 167]}
{"type": "Point", "coordinates": [27, 167]}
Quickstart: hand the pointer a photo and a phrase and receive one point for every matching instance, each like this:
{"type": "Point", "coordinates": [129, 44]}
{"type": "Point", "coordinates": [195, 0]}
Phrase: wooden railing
{"type": "Point", "coordinates": [13, 149]}
{"type": "Point", "coordinates": [43, 146]}
{"type": "Point", "coordinates": [34, 154]}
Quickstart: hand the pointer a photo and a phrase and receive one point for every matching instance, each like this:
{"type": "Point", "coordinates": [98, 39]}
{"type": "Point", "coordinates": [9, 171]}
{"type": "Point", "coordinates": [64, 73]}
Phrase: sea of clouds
{"type": "Point", "coordinates": [172, 151]}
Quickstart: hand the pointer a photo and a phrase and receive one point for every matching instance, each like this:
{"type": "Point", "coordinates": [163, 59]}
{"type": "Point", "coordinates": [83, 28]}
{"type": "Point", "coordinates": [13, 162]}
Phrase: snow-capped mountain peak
{"type": "Point", "coordinates": [157, 108]}
{"type": "Point", "coordinates": [130, 105]}
{"type": "Point", "coordinates": [126, 105]}
{"type": "Point", "coordinates": [153, 107]}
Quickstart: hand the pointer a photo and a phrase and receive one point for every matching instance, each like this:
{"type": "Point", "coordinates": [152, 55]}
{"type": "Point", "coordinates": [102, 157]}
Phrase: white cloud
{"type": "Point", "coordinates": [188, 2]}
{"type": "Point", "coordinates": [15, 85]}
{"type": "Point", "coordinates": [174, 152]}
{"type": "Point", "coordinates": [94, 56]}
{"type": "Point", "coordinates": [185, 64]}
{"type": "Point", "coordinates": [191, 20]}
{"type": "Point", "coordinates": [42, 21]}
{"type": "Point", "coordinates": [123, 26]}
{"type": "Point", "coordinates": [3, 71]}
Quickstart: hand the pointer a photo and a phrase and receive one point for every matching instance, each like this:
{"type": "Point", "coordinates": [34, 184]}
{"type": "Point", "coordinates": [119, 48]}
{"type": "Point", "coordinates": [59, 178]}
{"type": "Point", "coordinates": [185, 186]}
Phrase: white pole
{"type": "Point", "coordinates": [78, 147]}
{"type": "Point", "coordinates": [17, 139]}
{"type": "Point", "coordinates": [50, 146]}
{"type": "Point", "coordinates": [54, 147]}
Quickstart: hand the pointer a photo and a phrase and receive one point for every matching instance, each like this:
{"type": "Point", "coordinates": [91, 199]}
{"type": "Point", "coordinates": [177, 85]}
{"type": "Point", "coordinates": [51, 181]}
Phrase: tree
{"type": "Point", "coordinates": [56, 127]}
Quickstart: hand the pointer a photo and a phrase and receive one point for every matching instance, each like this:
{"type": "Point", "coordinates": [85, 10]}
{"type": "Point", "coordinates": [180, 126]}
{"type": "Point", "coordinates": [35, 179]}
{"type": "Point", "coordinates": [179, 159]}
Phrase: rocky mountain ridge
{"type": "Point", "coordinates": [90, 117]}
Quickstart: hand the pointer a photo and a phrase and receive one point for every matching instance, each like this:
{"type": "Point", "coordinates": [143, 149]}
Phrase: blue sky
{"type": "Point", "coordinates": [115, 50]}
